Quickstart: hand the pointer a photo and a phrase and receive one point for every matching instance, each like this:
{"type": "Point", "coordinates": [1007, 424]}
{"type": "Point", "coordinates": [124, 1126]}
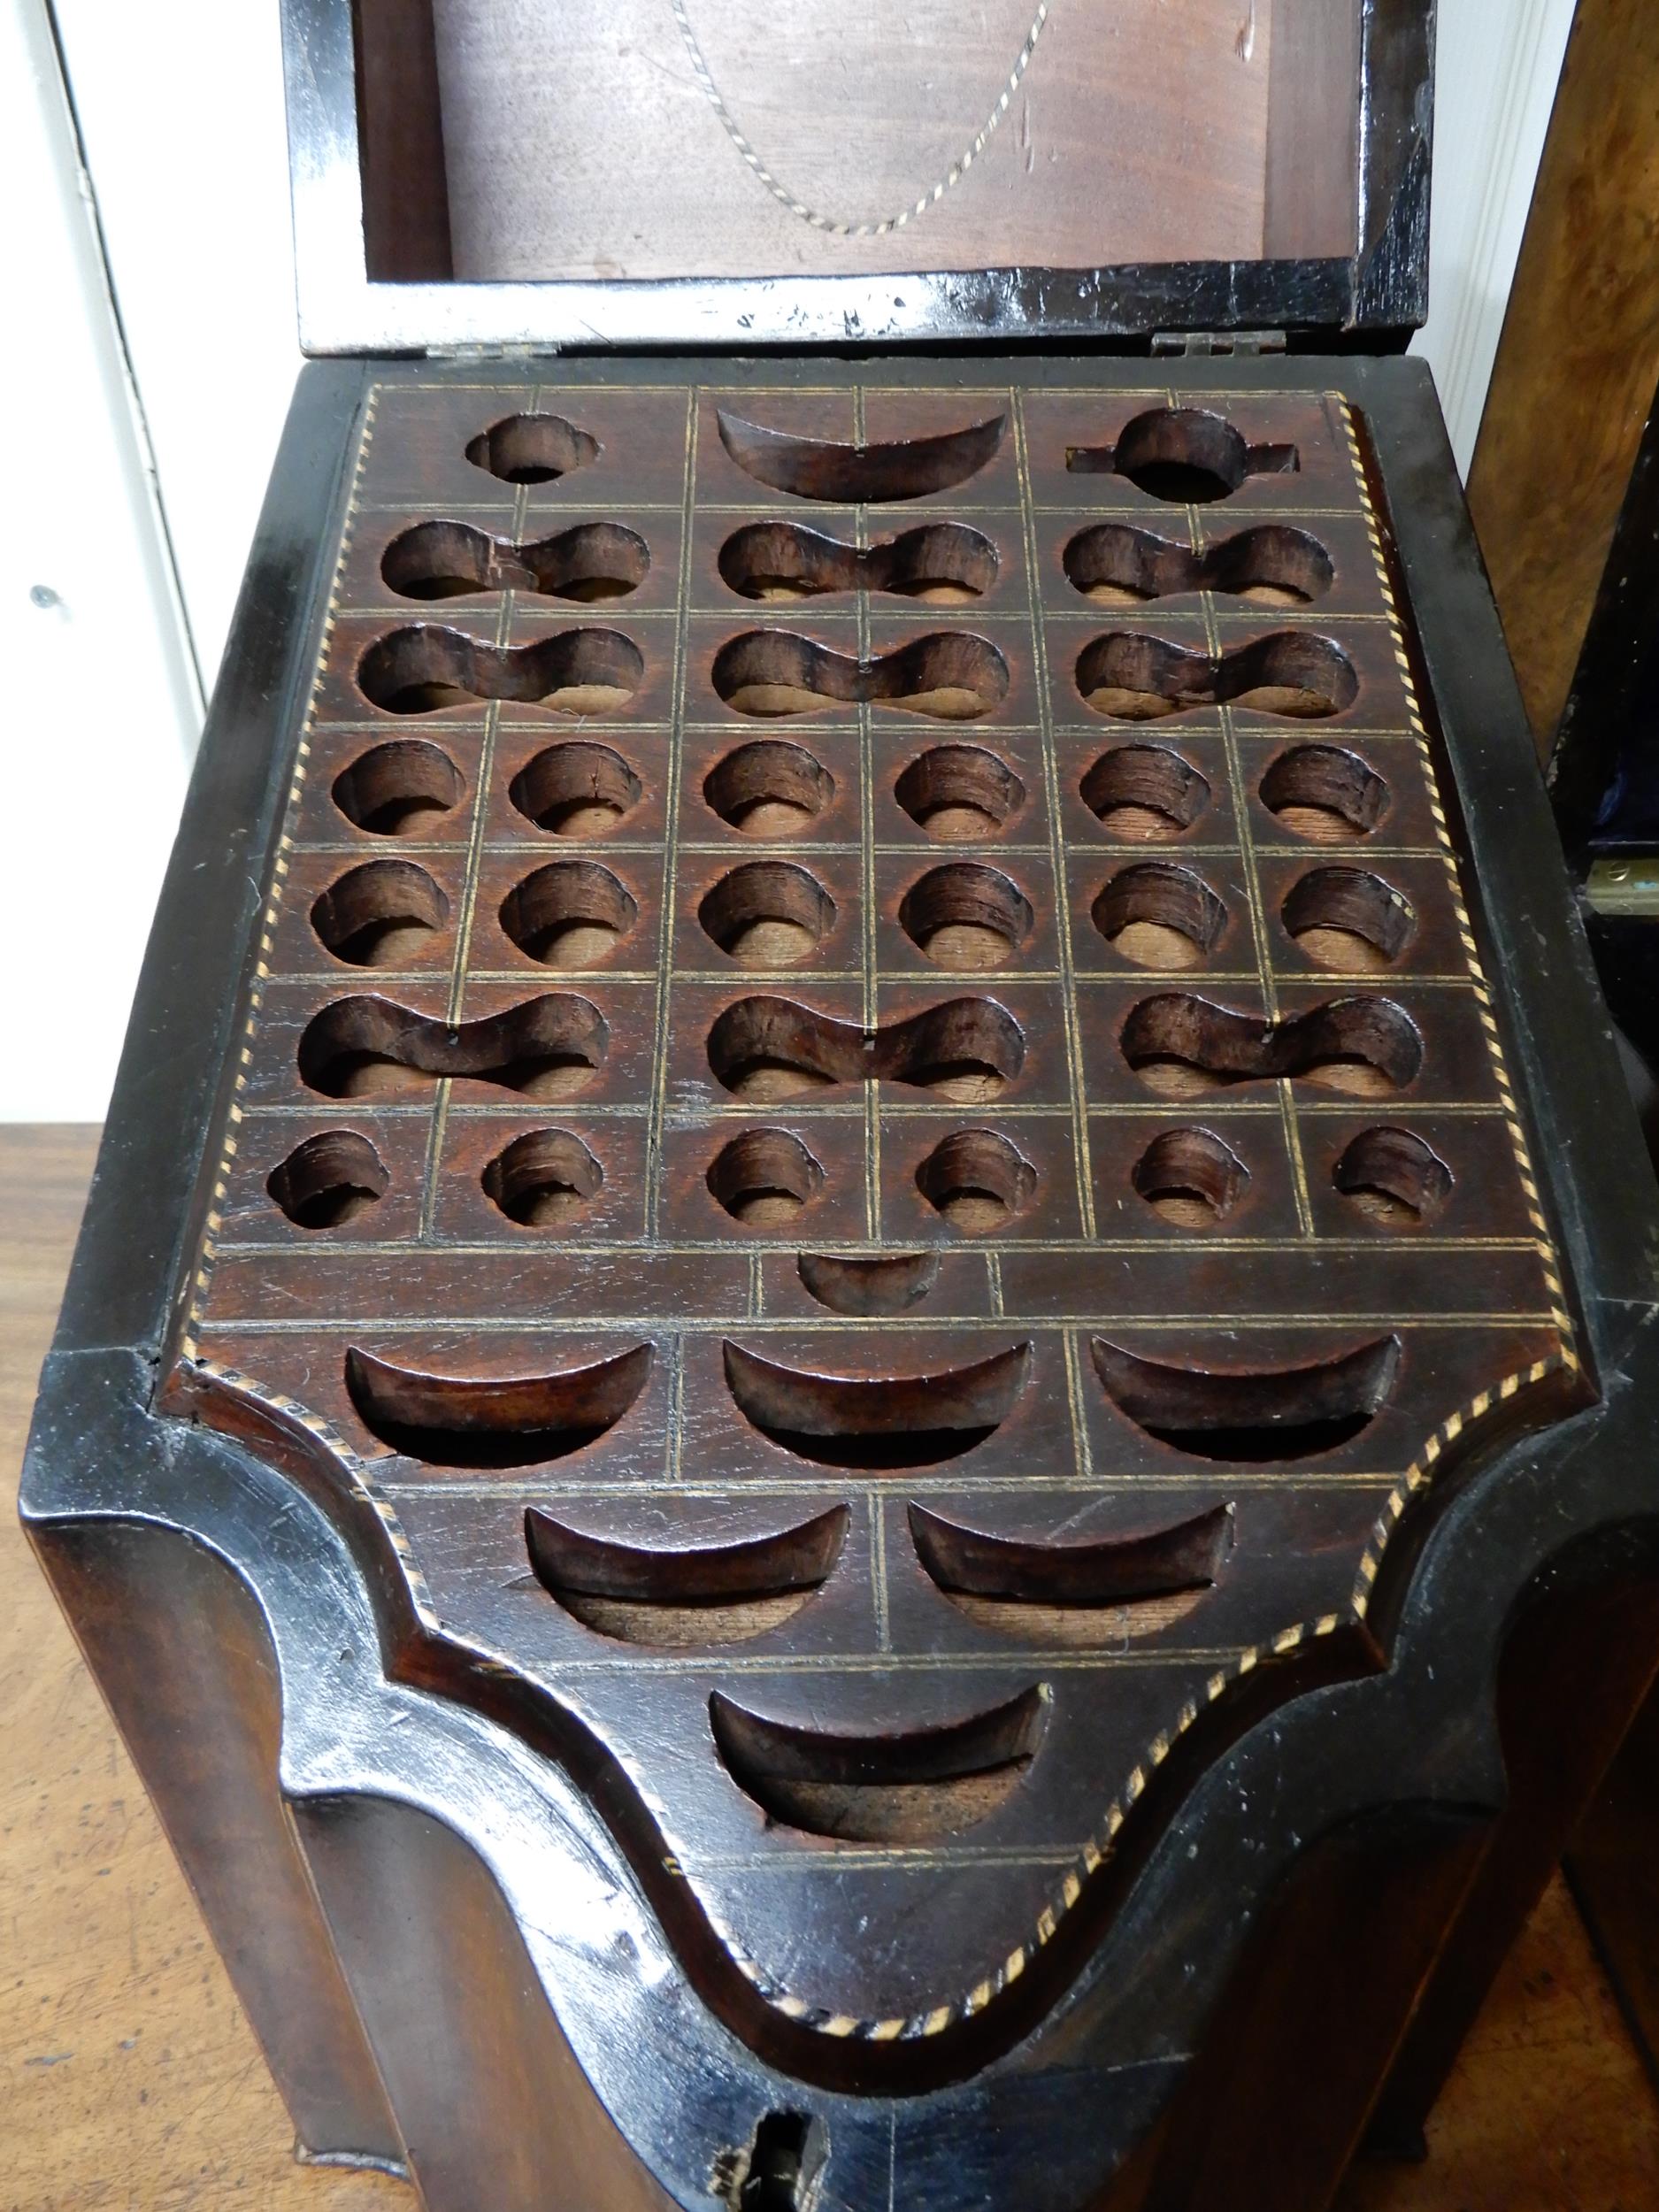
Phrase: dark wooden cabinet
{"type": "Point", "coordinates": [857, 1404]}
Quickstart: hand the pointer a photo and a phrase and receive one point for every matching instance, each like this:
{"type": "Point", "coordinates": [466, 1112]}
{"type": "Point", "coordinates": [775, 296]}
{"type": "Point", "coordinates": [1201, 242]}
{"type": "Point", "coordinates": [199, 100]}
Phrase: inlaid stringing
{"type": "Point", "coordinates": [872, 1123]}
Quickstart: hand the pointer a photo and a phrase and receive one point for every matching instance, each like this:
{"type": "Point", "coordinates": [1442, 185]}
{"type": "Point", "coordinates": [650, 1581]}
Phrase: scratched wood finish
{"type": "Point", "coordinates": [853, 1090]}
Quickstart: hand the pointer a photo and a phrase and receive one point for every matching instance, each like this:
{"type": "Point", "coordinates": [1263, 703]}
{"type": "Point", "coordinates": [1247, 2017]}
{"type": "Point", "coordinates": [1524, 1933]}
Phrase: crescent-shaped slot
{"type": "Point", "coordinates": [825, 469]}
{"type": "Point", "coordinates": [797, 1558]}
{"type": "Point", "coordinates": [908, 1787]}
{"type": "Point", "coordinates": [679, 1598]}
{"type": "Point", "coordinates": [1251, 1414]}
{"type": "Point", "coordinates": [881, 1421]}
{"type": "Point", "coordinates": [1106, 1571]}
{"type": "Point", "coordinates": [869, 1283]}
{"type": "Point", "coordinates": [493, 1421]}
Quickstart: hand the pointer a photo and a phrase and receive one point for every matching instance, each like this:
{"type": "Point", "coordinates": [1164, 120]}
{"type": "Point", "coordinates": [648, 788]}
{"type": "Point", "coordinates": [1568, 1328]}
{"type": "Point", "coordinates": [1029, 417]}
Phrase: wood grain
{"type": "Point", "coordinates": [659, 1336]}
{"type": "Point", "coordinates": [405, 205]}
{"type": "Point", "coordinates": [1579, 355]}
{"type": "Point", "coordinates": [580, 141]}
{"type": "Point", "coordinates": [129, 2075]}
{"type": "Point", "coordinates": [1316, 75]}
{"type": "Point", "coordinates": [1615, 1874]}
{"type": "Point", "coordinates": [1547, 2109]}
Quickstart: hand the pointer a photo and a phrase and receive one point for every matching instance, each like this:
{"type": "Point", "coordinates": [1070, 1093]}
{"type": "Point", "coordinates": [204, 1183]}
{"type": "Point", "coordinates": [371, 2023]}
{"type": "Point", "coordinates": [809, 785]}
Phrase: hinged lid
{"type": "Point", "coordinates": [494, 174]}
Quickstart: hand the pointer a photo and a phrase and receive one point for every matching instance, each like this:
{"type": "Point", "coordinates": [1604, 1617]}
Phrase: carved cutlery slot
{"type": "Point", "coordinates": [450, 560]}
{"type": "Point", "coordinates": [380, 914]}
{"type": "Point", "coordinates": [570, 914]}
{"type": "Point", "coordinates": [683, 1597]}
{"type": "Point", "coordinates": [959, 792]}
{"type": "Point", "coordinates": [1159, 915]}
{"type": "Point", "coordinates": [366, 1048]}
{"type": "Point", "coordinates": [1325, 793]}
{"type": "Point", "coordinates": [1251, 1415]}
{"type": "Point", "coordinates": [896, 1788]}
{"type": "Point", "coordinates": [1187, 456]}
{"type": "Point", "coordinates": [427, 670]}
{"type": "Point", "coordinates": [764, 1048]}
{"type": "Point", "coordinates": [543, 1180]}
{"type": "Point", "coordinates": [532, 449]}
{"type": "Point", "coordinates": [403, 789]}
{"type": "Point", "coordinates": [951, 675]}
{"type": "Point", "coordinates": [1190, 1178]}
{"type": "Point", "coordinates": [1274, 566]}
{"type": "Point", "coordinates": [771, 788]}
{"type": "Point", "coordinates": [490, 1421]}
{"type": "Point", "coordinates": [865, 1285]}
{"type": "Point", "coordinates": [1144, 795]}
{"type": "Point", "coordinates": [769, 1049]}
{"type": "Point", "coordinates": [1181, 1045]}
{"type": "Point", "coordinates": [849, 475]}
{"type": "Point", "coordinates": [329, 1180]}
{"type": "Point", "coordinates": [939, 562]}
{"type": "Point", "coordinates": [1092, 1573]}
{"type": "Point", "coordinates": [1349, 920]}
{"type": "Point", "coordinates": [1392, 1177]}
{"type": "Point", "coordinates": [768, 914]}
{"type": "Point", "coordinates": [763, 1178]}
{"type": "Point", "coordinates": [1139, 679]}
{"type": "Point", "coordinates": [965, 916]}
{"type": "Point", "coordinates": [848, 1216]}
{"type": "Point", "coordinates": [877, 1422]}
{"type": "Point", "coordinates": [977, 1179]}
{"type": "Point", "coordinates": [576, 789]}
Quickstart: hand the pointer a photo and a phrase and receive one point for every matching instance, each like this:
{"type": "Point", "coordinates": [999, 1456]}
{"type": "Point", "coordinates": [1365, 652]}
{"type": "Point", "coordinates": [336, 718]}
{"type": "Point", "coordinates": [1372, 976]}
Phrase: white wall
{"type": "Point", "coordinates": [101, 703]}
{"type": "Point", "coordinates": [179, 111]}
{"type": "Point", "coordinates": [179, 104]}
{"type": "Point", "coordinates": [1496, 69]}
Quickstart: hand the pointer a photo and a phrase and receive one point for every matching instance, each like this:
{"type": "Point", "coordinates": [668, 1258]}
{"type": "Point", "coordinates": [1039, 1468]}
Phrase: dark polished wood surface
{"type": "Point", "coordinates": [129, 2067]}
{"type": "Point", "coordinates": [649, 141]}
{"type": "Point", "coordinates": [1093, 939]}
{"type": "Point", "coordinates": [686, 175]}
{"type": "Point", "coordinates": [923, 704]}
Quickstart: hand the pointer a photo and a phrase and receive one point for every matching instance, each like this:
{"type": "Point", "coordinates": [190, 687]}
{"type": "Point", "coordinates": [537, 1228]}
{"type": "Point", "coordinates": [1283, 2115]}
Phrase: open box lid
{"type": "Point", "coordinates": [486, 174]}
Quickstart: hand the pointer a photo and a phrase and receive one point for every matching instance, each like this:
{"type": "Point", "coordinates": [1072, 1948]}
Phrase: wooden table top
{"type": "Point", "coordinates": [130, 2077]}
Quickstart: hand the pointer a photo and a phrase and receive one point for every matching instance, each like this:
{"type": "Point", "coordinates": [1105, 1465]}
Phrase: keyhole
{"type": "Point", "coordinates": [783, 2163]}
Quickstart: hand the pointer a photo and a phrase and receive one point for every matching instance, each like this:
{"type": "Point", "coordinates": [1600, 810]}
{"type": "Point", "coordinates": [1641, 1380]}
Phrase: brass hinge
{"type": "Point", "coordinates": [1217, 342]}
{"type": "Point", "coordinates": [1628, 887]}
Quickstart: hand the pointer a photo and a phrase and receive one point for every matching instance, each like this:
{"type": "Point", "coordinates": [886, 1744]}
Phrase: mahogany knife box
{"type": "Point", "coordinates": [859, 1407]}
